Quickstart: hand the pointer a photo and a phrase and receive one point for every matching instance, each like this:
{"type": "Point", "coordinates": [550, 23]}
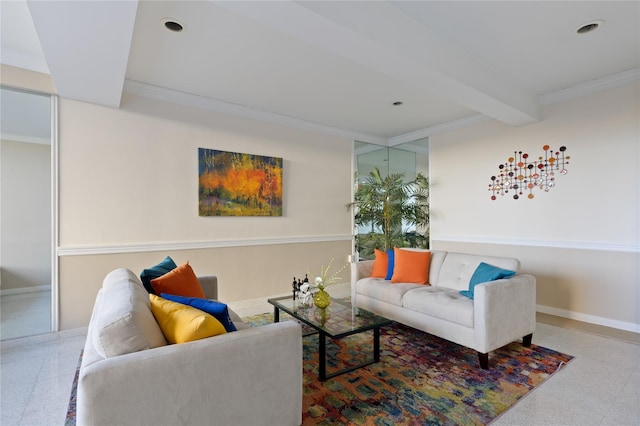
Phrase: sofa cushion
{"type": "Point", "coordinates": [440, 302]}
{"type": "Point", "coordinates": [181, 323]}
{"type": "Point", "coordinates": [181, 281]}
{"type": "Point", "coordinates": [485, 273]}
{"type": "Point", "coordinates": [377, 288]}
{"type": "Point", "coordinates": [380, 264]}
{"type": "Point", "coordinates": [410, 266]}
{"type": "Point", "coordinates": [218, 309]}
{"type": "Point", "coordinates": [122, 322]}
{"type": "Point", "coordinates": [167, 265]}
{"type": "Point", "coordinates": [458, 268]}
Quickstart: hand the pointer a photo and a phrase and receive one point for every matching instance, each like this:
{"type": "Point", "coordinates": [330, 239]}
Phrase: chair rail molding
{"type": "Point", "coordinates": [191, 245]}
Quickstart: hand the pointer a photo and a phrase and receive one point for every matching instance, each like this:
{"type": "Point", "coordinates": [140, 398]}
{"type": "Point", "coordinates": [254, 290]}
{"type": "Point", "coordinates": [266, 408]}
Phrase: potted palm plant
{"type": "Point", "coordinates": [395, 212]}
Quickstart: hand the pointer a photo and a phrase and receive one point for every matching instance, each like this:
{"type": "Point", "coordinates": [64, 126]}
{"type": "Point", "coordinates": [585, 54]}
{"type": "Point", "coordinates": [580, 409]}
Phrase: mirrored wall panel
{"type": "Point", "coordinates": [391, 196]}
{"type": "Point", "coordinates": [26, 249]}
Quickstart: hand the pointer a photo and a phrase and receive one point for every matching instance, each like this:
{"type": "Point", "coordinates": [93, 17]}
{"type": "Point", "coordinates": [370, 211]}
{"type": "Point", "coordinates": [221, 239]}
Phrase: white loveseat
{"type": "Point", "coordinates": [501, 311]}
{"type": "Point", "coordinates": [130, 376]}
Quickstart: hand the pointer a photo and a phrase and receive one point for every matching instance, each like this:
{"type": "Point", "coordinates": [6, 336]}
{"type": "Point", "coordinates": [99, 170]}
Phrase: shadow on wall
{"type": "Point", "coordinates": [553, 291]}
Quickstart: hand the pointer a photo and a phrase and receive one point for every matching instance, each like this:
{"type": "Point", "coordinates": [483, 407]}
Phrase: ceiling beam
{"type": "Point", "coordinates": [389, 41]}
{"type": "Point", "coordinates": [86, 45]}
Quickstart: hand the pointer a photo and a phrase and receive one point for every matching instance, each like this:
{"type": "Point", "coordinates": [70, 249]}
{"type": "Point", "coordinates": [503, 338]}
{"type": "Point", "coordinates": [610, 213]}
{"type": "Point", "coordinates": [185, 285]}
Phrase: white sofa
{"type": "Point", "coordinates": [252, 376]}
{"type": "Point", "coordinates": [501, 311]}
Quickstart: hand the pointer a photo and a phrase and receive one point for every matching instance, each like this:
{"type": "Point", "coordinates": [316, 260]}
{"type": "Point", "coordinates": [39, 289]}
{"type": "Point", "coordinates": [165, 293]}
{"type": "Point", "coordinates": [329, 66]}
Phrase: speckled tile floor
{"type": "Point", "coordinates": [601, 386]}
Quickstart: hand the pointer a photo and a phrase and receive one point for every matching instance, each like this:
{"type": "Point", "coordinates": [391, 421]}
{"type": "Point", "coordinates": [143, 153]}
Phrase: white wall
{"type": "Point", "coordinates": [130, 176]}
{"type": "Point", "coordinates": [25, 200]}
{"type": "Point", "coordinates": [581, 239]}
{"type": "Point", "coordinates": [129, 196]}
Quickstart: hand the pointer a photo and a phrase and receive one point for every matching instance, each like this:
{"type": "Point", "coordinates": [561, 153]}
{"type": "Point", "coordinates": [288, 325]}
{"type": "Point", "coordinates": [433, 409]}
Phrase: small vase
{"type": "Point", "coordinates": [321, 299]}
{"type": "Point", "coordinates": [321, 315]}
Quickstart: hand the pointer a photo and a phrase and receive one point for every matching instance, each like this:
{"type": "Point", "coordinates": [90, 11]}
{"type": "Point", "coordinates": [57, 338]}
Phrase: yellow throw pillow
{"type": "Point", "coordinates": [411, 266]}
{"type": "Point", "coordinates": [181, 281]}
{"type": "Point", "coordinates": [380, 264]}
{"type": "Point", "coordinates": [181, 323]}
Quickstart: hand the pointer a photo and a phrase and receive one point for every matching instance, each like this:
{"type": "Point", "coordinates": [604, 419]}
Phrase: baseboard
{"type": "Point", "coordinates": [592, 319]}
{"type": "Point", "coordinates": [23, 290]}
{"type": "Point", "coordinates": [43, 338]}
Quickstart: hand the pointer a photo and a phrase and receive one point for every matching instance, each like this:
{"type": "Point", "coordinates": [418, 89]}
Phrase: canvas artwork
{"type": "Point", "coordinates": [237, 184]}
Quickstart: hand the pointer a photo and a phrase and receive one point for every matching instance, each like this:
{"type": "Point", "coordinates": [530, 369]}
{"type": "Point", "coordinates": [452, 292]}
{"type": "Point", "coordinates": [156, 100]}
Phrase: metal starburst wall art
{"type": "Point", "coordinates": [521, 175]}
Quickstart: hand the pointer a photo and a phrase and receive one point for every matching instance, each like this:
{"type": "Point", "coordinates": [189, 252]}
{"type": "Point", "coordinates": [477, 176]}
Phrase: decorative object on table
{"type": "Point", "coordinates": [322, 315]}
{"type": "Point", "coordinates": [297, 286]}
{"type": "Point", "coordinates": [306, 294]}
{"type": "Point", "coordinates": [321, 298]}
{"type": "Point", "coordinates": [520, 175]}
{"type": "Point", "coordinates": [237, 184]}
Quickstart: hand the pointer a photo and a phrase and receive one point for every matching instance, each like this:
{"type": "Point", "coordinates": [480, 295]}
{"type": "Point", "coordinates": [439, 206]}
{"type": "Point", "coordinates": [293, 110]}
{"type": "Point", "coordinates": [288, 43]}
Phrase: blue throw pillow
{"type": "Point", "coordinates": [217, 309]}
{"type": "Point", "coordinates": [390, 263]}
{"type": "Point", "coordinates": [167, 265]}
{"type": "Point", "coordinates": [485, 273]}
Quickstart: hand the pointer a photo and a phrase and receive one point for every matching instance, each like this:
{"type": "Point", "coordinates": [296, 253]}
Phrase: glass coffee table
{"type": "Point", "coordinates": [336, 321]}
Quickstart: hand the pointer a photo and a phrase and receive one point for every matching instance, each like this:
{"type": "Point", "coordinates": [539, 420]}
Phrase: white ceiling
{"type": "Point", "coordinates": [336, 67]}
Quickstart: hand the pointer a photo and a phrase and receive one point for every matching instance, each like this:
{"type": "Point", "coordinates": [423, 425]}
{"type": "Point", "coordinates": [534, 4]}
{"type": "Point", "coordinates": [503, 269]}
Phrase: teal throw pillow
{"type": "Point", "coordinates": [167, 265]}
{"type": "Point", "coordinates": [485, 273]}
{"type": "Point", "coordinates": [390, 263]}
{"type": "Point", "coordinates": [217, 309]}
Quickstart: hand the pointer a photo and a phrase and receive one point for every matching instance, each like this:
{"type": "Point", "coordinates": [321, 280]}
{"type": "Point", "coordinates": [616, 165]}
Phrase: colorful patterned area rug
{"type": "Point", "coordinates": [420, 379]}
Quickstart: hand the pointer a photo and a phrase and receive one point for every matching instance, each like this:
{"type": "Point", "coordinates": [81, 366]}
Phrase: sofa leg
{"type": "Point", "coordinates": [484, 360]}
{"type": "Point", "coordinates": [526, 340]}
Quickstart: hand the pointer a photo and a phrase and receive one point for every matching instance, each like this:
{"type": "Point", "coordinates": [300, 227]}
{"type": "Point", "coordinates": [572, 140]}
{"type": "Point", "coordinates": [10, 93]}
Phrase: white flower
{"type": "Point", "coordinates": [307, 298]}
{"type": "Point", "coordinates": [319, 280]}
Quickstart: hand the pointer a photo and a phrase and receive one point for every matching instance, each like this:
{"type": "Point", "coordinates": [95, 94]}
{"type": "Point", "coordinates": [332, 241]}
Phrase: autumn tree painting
{"type": "Point", "coordinates": [236, 184]}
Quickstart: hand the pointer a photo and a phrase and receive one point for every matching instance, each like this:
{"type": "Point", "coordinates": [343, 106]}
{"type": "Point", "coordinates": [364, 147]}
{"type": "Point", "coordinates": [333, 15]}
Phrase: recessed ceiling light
{"type": "Point", "coordinates": [590, 26]}
{"type": "Point", "coordinates": [397, 103]}
{"type": "Point", "coordinates": [172, 25]}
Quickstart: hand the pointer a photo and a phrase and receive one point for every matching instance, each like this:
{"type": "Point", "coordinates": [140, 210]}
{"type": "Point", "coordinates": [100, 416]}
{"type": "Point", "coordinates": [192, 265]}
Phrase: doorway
{"type": "Point", "coordinates": [26, 212]}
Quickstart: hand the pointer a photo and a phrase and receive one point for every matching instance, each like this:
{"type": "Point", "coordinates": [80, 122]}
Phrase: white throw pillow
{"type": "Point", "coordinates": [123, 322]}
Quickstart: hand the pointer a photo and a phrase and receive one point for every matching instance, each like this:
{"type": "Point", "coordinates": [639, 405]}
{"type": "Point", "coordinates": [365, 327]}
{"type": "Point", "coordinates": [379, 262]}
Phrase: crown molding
{"type": "Point", "coordinates": [187, 99]}
{"type": "Point", "coordinates": [195, 245]}
{"type": "Point", "coordinates": [546, 99]}
{"type": "Point", "coordinates": [593, 86]}
{"type": "Point", "coordinates": [439, 128]}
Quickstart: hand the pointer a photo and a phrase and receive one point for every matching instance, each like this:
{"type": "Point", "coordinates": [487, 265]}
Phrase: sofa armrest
{"type": "Point", "coordinates": [209, 284]}
{"type": "Point", "coordinates": [359, 270]}
{"type": "Point", "coordinates": [252, 376]}
{"type": "Point", "coordinates": [504, 311]}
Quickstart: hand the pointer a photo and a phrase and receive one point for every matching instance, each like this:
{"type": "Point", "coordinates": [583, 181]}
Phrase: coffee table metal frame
{"type": "Point", "coordinates": [336, 326]}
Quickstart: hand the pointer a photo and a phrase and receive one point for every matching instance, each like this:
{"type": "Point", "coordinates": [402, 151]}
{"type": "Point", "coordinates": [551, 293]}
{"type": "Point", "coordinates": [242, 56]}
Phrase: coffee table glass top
{"type": "Point", "coordinates": [337, 320]}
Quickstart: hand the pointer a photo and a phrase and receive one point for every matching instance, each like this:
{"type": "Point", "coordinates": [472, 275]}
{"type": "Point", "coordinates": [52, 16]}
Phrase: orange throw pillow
{"type": "Point", "coordinates": [380, 265]}
{"type": "Point", "coordinates": [181, 281]}
{"type": "Point", "coordinates": [411, 266]}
